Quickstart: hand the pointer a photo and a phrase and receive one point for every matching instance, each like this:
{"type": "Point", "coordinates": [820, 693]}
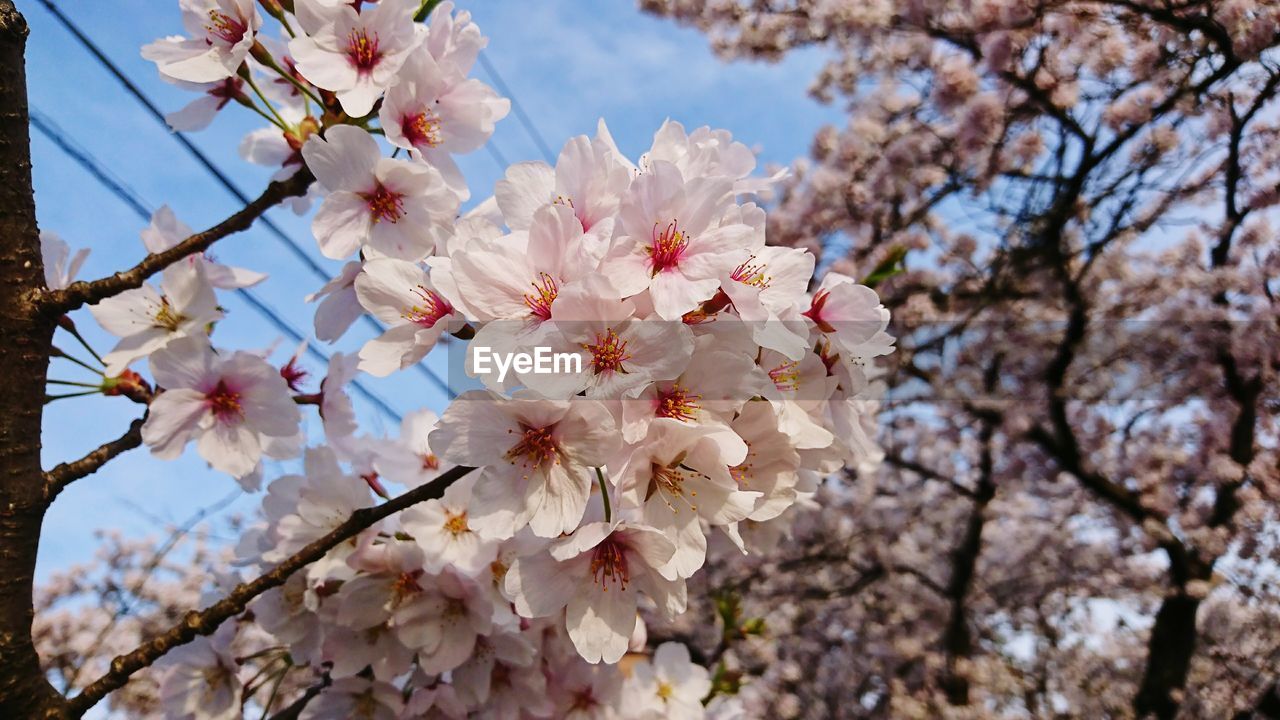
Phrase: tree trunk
{"type": "Point", "coordinates": [25, 336]}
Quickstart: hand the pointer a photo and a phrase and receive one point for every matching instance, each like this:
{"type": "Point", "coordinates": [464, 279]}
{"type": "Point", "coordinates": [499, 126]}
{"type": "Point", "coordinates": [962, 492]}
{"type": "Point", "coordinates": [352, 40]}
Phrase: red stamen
{"type": "Point", "coordinates": [678, 403]}
{"type": "Point", "coordinates": [608, 353]}
{"type": "Point", "coordinates": [749, 274]}
{"type": "Point", "coordinates": [422, 129]}
{"type": "Point", "coordinates": [384, 204]}
{"type": "Point", "coordinates": [537, 448]}
{"type": "Point", "coordinates": [786, 377]}
{"type": "Point", "coordinates": [609, 565]}
{"type": "Point", "coordinates": [362, 50]}
{"type": "Point", "coordinates": [224, 402]}
{"type": "Point", "coordinates": [667, 247]}
{"type": "Point", "coordinates": [432, 309]}
{"type": "Point", "coordinates": [544, 293]}
{"type": "Point", "coordinates": [224, 27]}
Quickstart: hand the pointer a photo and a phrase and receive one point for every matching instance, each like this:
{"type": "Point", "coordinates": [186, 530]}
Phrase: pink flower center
{"type": "Point", "coordinates": [456, 524]}
{"type": "Point", "coordinates": [225, 28]}
{"type": "Point", "coordinates": [430, 310]}
{"type": "Point", "coordinates": [742, 471]}
{"type": "Point", "coordinates": [667, 482]}
{"type": "Point", "coordinates": [224, 402]}
{"type": "Point", "coordinates": [667, 247]}
{"type": "Point", "coordinates": [405, 586]}
{"type": "Point", "coordinates": [384, 204]}
{"type": "Point", "coordinates": [544, 293]}
{"type": "Point", "coordinates": [430, 461]}
{"type": "Point", "coordinates": [422, 129]}
{"type": "Point", "coordinates": [751, 274]}
{"type": "Point", "coordinates": [609, 565]}
{"type": "Point", "coordinates": [786, 377]}
{"type": "Point", "coordinates": [362, 50]}
{"type": "Point", "coordinates": [166, 318]}
{"type": "Point", "coordinates": [537, 448]}
{"type": "Point", "coordinates": [608, 353]}
{"type": "Point", "coordinates": [678, 403]}
{"type": "Point", "coordinates": [226, 91]}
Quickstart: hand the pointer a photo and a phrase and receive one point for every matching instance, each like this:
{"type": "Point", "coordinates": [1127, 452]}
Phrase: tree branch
{"type": "Point", "coordinates": [81, 293]}
{"type": "Point", "coordinates": [206, 621]}
{"type": "Point", "coordinates": [57, 479]}
{"type": "Point", "coordinates": [957, 640]}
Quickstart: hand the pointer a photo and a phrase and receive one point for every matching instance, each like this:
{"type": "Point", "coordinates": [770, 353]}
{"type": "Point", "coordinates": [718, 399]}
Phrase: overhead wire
{"type": "Point", "coordinates": [521, 116]}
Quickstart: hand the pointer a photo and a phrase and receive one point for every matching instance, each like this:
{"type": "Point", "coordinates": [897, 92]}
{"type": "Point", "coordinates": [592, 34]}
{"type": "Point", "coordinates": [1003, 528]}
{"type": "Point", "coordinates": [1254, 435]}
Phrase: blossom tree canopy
{"type": "Point", "coordinates": [1072, 204]}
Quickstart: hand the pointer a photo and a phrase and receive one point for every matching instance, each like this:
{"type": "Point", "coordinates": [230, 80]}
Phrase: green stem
{"type": "Point", "coordinates": [50, 398]}
{"type": "Point", "coordinates": [271, 63]}
{"type": "Point", "coordinates": [279, 121]}
{"type": "Point", "coordinates": [425, 10]}
{"type": "Point", "coordinates": [51, 381]}
{"type": "Point", "coordinates": [604, 494]}
{"type": "Point", "coordinates": [55, 352]}
{"type": "Point", "coordinates": [85, 343]}
{"type": "Point", "coordinates": [275, 689]}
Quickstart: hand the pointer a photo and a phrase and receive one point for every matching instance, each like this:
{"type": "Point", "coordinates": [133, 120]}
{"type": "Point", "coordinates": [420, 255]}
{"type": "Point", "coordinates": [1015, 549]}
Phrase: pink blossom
{"type": "Point", "coordinates": [226, 404]}
{"type": "Point", "coordinates": [396, 207]}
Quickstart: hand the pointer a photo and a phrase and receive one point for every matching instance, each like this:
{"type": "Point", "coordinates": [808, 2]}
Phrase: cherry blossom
{"type": "Point", "coordinates": [60, 265]}
{"type": "Point", "coordinates": [408, 459]}
{"type": "Point", "coordinates": [668, 686]}
{"type": "Point", "coordinates": [166, 230]}
{"type": "Point", "coordinates": [396, 207]}
{"type": "Point", "coordinates": [537, 457]}
{"type": "Point", "coordinates": [437, 115]}
{"type": "Point", "coordinates": [401, 294]}
{"type": "Point", "coordinates": [680, 478]}
{"type": "Point", "coordinates": [340, 306]}
{"type": "Point", "coordinates": [221, 33]}
{"type": "Point", "coordinates": [357, 53]}
{"type": "Point", "coordinates": [146, 320]}
{"type": "Point", "coordinates": [670, 240]}
{"type": "Point", "coordinates": [596, 575]}
{"type": "Point", "coordinates": [228, 405]}
{"type": "Point", "coordinates": [547, 525]}
{"type": "Point", "coordinates": [199, 113]}
{"type": "Point", "coordinates": [442, 529]}
{"type": "Point", "coordinates": [590, 177]}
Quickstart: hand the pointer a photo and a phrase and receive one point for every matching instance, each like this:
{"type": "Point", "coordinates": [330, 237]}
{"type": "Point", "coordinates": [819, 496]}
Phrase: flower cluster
{"type": "Point", "coordinates": [712, 387]}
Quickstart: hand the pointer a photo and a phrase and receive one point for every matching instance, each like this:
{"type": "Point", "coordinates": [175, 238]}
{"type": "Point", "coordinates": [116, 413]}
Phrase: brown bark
{"type": "Point", "coordinates": [25, 335]}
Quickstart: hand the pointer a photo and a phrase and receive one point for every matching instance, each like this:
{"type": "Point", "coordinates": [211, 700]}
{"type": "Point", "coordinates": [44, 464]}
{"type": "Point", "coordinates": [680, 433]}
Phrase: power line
{"type": "Point", "coordinates": [144, 210]}
{"type": "Point", "coordinates": [516, 107]}
{"type": "Point", "coordinates": [213, 169]}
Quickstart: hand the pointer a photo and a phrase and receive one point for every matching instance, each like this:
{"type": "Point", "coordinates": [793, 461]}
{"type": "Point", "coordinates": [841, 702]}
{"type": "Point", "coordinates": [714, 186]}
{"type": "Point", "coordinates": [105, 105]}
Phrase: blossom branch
{"type": "Point", "coordinates": [87, 292]}
{"type": "Point", "coordinates": [60, 477]}
{"type": "Point", "coordinates": [206, 621]}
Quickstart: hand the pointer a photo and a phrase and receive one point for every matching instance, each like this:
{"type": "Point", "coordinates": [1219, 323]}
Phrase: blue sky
{"type": "Point", "coordinates": [568, 63]}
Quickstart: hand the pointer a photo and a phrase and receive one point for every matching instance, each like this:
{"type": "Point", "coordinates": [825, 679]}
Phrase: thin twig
{"type": "Point", "coordinates": [63, 475]}
{"type": "Point", "coordinates": [81, 293]}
